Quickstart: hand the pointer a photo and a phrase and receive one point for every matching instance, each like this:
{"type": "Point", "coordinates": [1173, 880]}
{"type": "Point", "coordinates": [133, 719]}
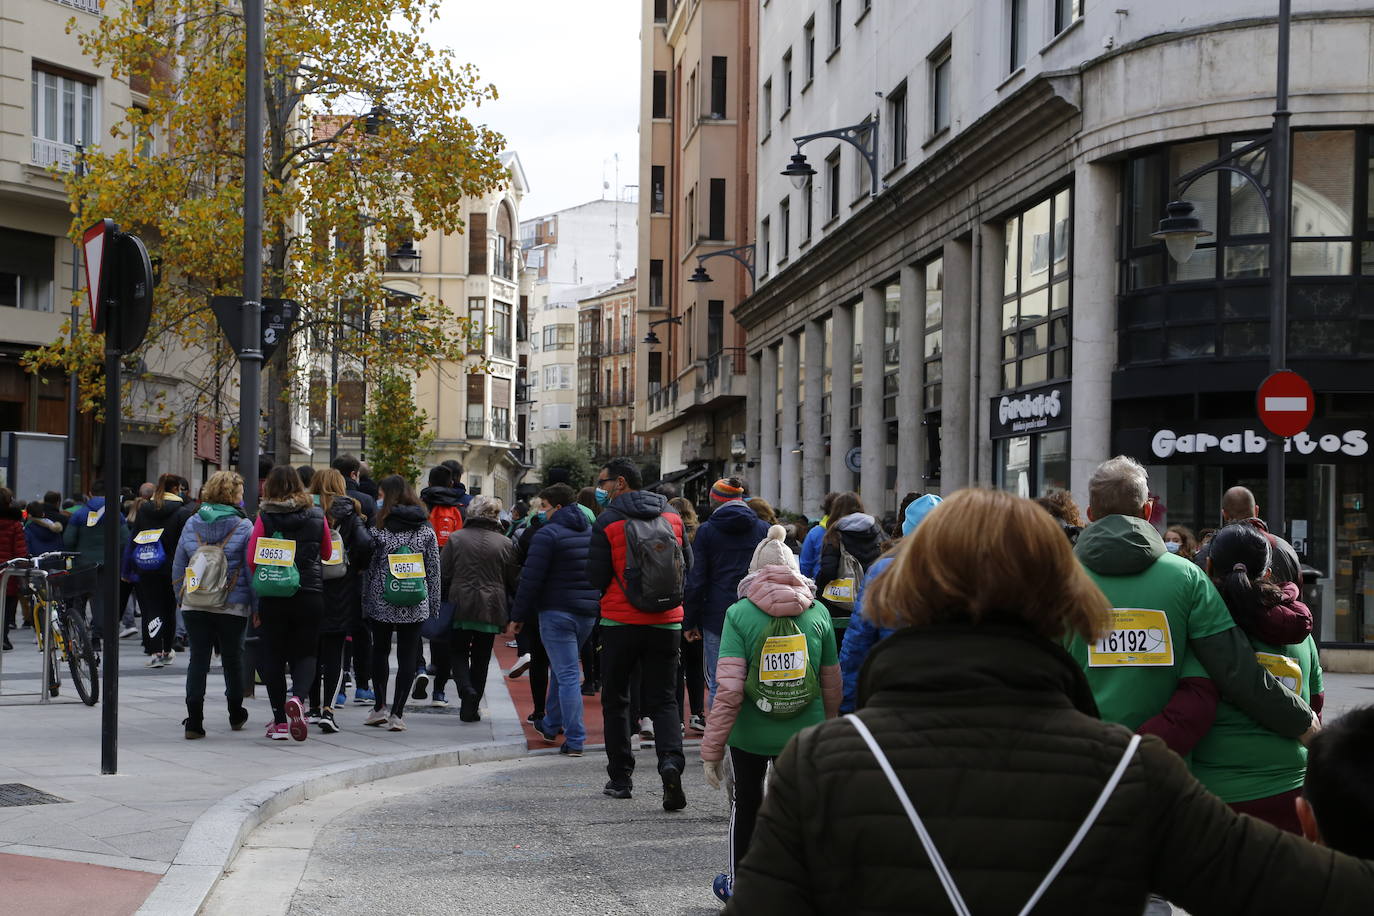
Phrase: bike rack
{"type": "Point", "coordinates": [45, 678]}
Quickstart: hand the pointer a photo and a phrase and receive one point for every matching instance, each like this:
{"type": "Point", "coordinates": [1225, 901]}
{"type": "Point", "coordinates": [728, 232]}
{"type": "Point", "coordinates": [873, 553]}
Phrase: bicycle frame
{"type": "Point", "coordinates": [46, 630]}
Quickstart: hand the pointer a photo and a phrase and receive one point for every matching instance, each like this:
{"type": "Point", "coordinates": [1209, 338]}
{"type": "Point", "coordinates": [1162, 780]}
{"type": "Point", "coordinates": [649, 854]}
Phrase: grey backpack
{"type": "Point", "coordinates": [207, 584]}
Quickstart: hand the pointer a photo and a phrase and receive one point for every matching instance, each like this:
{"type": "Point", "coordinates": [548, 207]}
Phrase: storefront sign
{"type": "Point", "coordinates": [1234, 443]}
{"type": "Point", "coordinates": [1034, 411]}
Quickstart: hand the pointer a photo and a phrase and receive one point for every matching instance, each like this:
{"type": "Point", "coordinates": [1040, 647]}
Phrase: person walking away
{"type": "Point", "coordinates": [85, 534]}
{"type": "Point", "coordinates": [691, 689]}
{"type": "Point", "coordinates": [852, 542]}
{"type": "Point", "coordinates": [639, 559]}
{"type": "Point", "coordinates": [721, 553]}
{"type": "Point", "coordinates": [400, 591]}
{"type": "Point", "coordinates": [995, 750]}
{"type": "Point", "coordinates": [777, 675]}
{"type": "Point", "coordinates": [1250, 768]}
{"type": "Point", "coordinates": [157, 526]}
{"type": "Point", "coordinates": [811, 544]}
{"type": "Point", "coordinates": [12, 544]}
{"type": "Point", "coordinates": [554, 589]}
{"type": "Point", "coordinates": [358, 653]}
{"type": "Point", "coordinates": [290, 541]}
{"type": "Point", "coordinates": [1238, 505]}
{"type": "Point", "coordinates": [478, 574]}
{"type": "Point", "coordinates": [532, 658]}
{"type": "Point", "coordinates": [862, 634]}
{"type": "Point", "coordinates": [350, 551]}
{"type": "Point", "coordinates": [42, 534]}
{"type": "Point", "coordinates": [1336, 808]}
{"type": "Point", "coordinates": [445, 517]}
{"type": "Point", "coordinates": [210, 574]}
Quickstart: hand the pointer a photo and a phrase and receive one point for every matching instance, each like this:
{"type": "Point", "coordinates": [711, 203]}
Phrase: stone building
{"type": "Point", "coordinates": [607, 352]}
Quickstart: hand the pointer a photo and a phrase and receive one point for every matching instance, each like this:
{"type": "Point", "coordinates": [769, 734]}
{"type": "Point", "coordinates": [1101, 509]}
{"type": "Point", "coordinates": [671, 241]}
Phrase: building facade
{"type": "Point", "coordinates": [607, 351]}
{"type": "Point", "coordinates": [697, 154]}
{"type": "Point", "coordinates": [997, 312]}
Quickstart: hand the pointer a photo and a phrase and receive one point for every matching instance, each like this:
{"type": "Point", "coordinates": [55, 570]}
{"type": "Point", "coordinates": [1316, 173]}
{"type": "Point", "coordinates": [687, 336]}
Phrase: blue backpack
{"type": "Point", "coordinates": [149, 554]}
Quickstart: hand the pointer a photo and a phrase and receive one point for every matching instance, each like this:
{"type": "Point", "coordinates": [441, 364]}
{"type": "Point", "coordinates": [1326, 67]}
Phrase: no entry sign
{"type": "Point", "coordinates": [1285, 403]}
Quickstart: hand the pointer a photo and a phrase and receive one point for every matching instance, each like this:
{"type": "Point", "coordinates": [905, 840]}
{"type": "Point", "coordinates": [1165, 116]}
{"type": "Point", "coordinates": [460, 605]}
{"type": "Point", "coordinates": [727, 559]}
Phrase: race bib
{"type": "Point", "coordinates": [274, 552]}
{"type": "Point", "coordinates": [407, 565]}
{"type": "Point", "coordinates": [149, 536]}
{"type": "Point", "coordinates": [1285, 670]}
{"type": "Point", "coordinates": [192, 580]}
{"type": "Point", "coordinates": [783, 659]}
{"type": "Point", "coordinates": [1138, 638]}
{"type": "Point", "coordinates": [841, 590]}
{"type": "Point", "coordinates": [93, 518]}
{"type": "Point", "coordinates": [336, 552]}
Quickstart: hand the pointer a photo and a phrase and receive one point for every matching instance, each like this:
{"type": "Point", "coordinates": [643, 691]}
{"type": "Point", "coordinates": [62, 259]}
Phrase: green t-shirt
{"type": "Point", "coordinates": [608, 622]}
{"type": "Point", "coordinates": [477, 626]}
{"type": "Point", "coordinates": [1134, 669]}
{"type": "Point", "coordinates": [1240, 760]}
{"type": "Point", "coordinates": [744, 626]}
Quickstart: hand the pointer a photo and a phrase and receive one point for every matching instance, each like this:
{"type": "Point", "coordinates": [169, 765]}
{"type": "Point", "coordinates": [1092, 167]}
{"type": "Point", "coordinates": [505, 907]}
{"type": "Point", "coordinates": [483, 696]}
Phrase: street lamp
{"type": "Point", "coordinates": [652, 338]}
{"type": "Point", "coordinates": [1180, 230]}
{"type": "Point", "coordinates": [407, 259]}
{"type": "Point", "coordinates": [799, 170]}
{"type": "Point", "coordinates": [742, 253]}
{"type": "Point", "coordinates": [862, 136]}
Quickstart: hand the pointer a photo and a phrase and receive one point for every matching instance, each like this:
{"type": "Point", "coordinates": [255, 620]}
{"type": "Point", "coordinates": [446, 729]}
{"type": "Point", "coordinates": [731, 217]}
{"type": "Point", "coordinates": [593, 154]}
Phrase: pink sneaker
{"type": "Point", "coordinates": [277, 731]}
{"type": "Point", "coordinates": [295, 717]}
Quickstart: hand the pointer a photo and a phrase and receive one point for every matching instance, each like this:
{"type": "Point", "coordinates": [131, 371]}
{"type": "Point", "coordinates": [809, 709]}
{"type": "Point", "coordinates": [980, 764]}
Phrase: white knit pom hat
{"type": "Point", "coordinates": [773, 552]}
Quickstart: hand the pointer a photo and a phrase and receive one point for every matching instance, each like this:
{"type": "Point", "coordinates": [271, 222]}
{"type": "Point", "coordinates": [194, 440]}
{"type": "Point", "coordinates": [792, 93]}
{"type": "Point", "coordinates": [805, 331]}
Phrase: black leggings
{"type": "Point", "coordinates": [692, 673]}
{"type": "Point", "coordinates": [750, 772]}
{"type": "Point", "coordinates": [472, 659]}
{"type": "Point", "coordinates": [538, 674]}
{"type": "Point", "coordinates": [290, 636]}
{"type": "Point", "coordinates": [326, 686]}
{"type": "Point", "coordinates": [407, 661]}
{"type": "Point", "coordinates": [158, 603]}
{"type": "Point", "coordinates": [441, 656]}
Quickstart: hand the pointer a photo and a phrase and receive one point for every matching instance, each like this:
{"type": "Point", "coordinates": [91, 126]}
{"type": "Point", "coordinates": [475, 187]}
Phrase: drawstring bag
{"type": "Point", "coordinates": [276, 575]}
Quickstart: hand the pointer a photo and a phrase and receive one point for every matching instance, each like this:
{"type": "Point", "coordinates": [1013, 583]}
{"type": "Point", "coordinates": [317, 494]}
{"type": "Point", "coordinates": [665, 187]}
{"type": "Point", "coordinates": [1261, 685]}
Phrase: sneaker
{"type": "Point", "coordinates": [673, 797]}
{"type": "Point", "coordinates": [363, 697]}
{"type": "Point", "coordinates": [548, 734]}
{"type": "Point", "coordinates": [168, 658]}
{"type": "Point", "coordinates": [439, 699]}
{"type": "Point", "coordinates": [341, 699]}
{"type": "Point", "coordinates": [193, 728]}
{"type": "Point", "coordinates": [535, 716]}
{"type": "Point", "coordinates": [646, 727]}
{"type": "Point", "coordinates": [395, 724]}
{"type": "Point", "coordinates": [326, 722]}
{"type": "Point", "coordinates": [278, 731]}
{"type": "Point", "coordinates": [296, 720]}
{"type": "Point", "coordinates": [615, 791]}
{"type": "Point", "coordinates": [7, 644]}
{"type": "Point", "coordinates": [237, 718]}
{"type": "Point", "coordinates": [376, 717]}
{"type": "Point", "coordinates": [347, 679]}
{"type": "Point", "coordinates": [569, 751]}
{"type": "Point", "coordinates": [421, 689]}
{"type": "Point", "coordinates": [126, 632]}
{"type": "Point", "coordinates": [722, 888]}
{"type": "Point", "coordinates": [313, 717]}
{"type": "Point", "coordinates": [697, 723]}
{"type": "Point", "coordinates": [522, 664]}
{"type": "Point", "coordinates": [155, 661]}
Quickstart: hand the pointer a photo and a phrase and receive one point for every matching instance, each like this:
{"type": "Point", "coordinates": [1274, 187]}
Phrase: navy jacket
{"type": "Point", "coordinates": [723, 548]}
{"type": "Point", "coordinates": [554, 577]}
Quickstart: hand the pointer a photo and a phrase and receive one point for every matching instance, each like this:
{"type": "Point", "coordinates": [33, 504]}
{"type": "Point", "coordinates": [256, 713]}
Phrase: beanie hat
{"type": "Point", "coordinates": [917, 511]}
{"type": "Point", "coordinates": [723, 491]}
{"type": "Point", "coordinates": [772, 551]}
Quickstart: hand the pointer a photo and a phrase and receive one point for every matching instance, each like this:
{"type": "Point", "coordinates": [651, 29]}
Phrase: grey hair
{"type": "Point", "coordinates": [485, 507]}
{"type": "Point", "coordinates": [1119, 486]}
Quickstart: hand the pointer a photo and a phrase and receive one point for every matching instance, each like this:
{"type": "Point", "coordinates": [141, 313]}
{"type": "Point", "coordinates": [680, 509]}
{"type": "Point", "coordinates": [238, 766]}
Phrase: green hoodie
{"type": "Point", "coordinates": [213, 512]}
{"type": "Point", "coordinates": [1160, 603]}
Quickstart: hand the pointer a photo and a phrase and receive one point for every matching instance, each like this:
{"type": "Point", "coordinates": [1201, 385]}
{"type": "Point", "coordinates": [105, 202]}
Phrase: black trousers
{"type": "Point", "coordinates": [360, 645]}
{"type": "Point", "coordinates": [750, 772]}
{"type": "Point", "coordinates": [692, 674]}
{"type": "Point", "coordinates": [326, 686]}
{"type": "Point", "coordinates": [656, 652]}
{"type": "Point", "coordinates": [591, 656]}
{"type": "Point", "coordinates": [529, 641]}
{"type": "Point", "coordinates": [472, 660]}
{"type": "Point", "coordinates": [290, 634]}
{"type": "Point", "coordinates": [441, 658]}
{"type": "Point", "coordinates": [407, 660]}
{"type": "Point", "coordinates": [204, 631]}
{"type": "Point", "coordinates": [158, 604]}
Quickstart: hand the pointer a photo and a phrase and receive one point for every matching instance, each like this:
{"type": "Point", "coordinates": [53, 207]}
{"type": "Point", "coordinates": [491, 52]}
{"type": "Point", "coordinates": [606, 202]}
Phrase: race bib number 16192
{"type": "Point", "coordinates": [1136, 638]}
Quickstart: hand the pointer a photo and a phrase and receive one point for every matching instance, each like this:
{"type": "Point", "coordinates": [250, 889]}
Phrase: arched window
{"type": "Point", "coordinates": [505, 234]}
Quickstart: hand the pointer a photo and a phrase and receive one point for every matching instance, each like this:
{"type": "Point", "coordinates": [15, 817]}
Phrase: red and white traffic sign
{"type": "Point", "coordinates": [1285, 403]}
{"type": "Point", "coordinates": [97, 245]}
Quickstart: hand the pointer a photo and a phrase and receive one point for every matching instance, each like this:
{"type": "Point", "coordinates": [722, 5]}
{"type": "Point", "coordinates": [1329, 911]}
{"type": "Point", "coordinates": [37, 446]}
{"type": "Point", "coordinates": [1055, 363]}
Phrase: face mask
{"type": "Point", "coordinates": [602, 497]}
{"type": "Point", "coordinates": [1172, 546]}
{"type": "Point", "coordinates": [539, 515]}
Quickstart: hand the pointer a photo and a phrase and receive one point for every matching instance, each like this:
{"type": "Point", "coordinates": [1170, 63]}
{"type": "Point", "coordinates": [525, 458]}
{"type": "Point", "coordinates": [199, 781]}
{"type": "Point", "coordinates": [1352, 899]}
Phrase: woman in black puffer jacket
{"type": "Point", "coordinates": [156, 530]}
{"type": "Point", "coordinates": [992, 734]}
{"type": "Point", "coordinates": [350, 551]}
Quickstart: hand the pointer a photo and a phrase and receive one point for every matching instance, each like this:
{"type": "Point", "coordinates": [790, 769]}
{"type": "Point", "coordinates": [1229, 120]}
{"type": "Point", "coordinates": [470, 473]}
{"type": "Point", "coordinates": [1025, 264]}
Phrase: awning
{"type": "Point", "coordinates": [682, 476]}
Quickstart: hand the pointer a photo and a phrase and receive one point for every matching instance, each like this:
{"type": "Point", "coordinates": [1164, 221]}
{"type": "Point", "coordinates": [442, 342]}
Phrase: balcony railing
{"type": "Point", "coordinates": [500, 430]}
{"type": "Point", "coordinates": [618, 346]}
{"type": "Point", "coordinates": [500, 346]}
{"type": "Point", "coordinates": [590, 348]}
{"type": "Point", "coordinates": [726, 361]}
{"type": "Point", "coordinates": [86, 6]}
{"type": "Point", "coordinates": [48, 153]}
{"type": "Point", "coordinates": [503, 267]}
{"type": "Point", "coordinates": [664, 398]}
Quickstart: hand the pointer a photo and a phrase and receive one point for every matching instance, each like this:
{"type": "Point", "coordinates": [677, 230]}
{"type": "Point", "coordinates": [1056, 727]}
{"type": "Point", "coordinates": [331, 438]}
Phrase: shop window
{"type": "Point", "coordinates": [1034, 465]}
{"type": "Point", "coordinates": [26, 270]}
{"type": "Point", "coordinates": [1036, 291]}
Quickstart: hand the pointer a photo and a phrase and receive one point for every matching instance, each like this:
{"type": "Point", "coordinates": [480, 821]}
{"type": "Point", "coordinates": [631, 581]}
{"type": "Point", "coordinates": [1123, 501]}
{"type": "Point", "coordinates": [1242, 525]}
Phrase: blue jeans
{"type": "Point", "coordinates": [563, 635]}
{"type": "Point", "coordinates": [711, 648]}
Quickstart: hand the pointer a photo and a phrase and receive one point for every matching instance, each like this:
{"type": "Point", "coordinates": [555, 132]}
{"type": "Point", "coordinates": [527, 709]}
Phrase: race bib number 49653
{"type": "Point", "coordinates": [274, 552]}
{"type": "Point", "coordinates": [1137, 638]}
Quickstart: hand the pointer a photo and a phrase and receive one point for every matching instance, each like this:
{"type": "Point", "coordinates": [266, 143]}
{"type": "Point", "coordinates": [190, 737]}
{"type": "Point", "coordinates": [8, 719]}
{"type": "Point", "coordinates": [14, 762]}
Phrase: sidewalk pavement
{"type": "Point", "coordinates": [175, 813]}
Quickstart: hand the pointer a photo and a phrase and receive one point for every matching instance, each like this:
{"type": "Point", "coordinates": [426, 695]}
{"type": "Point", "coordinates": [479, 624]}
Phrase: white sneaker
{"type": "Point", "coordinates": [126, 632]}
{"type": "Point", "coordinates": [377, 717]}
{"type": "Point", "coordinates": [396, 724]}
{"type": "Point", "coordinates": [646, 727]}
{"type": "Point", "coordinates": [155, 661]}
{"type": "Point", "coordinates": [522, 664]}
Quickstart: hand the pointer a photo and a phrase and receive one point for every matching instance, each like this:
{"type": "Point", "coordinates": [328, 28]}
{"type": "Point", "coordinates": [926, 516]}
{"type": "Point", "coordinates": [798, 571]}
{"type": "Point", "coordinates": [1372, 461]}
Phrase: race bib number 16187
{"type": "Point", "coordinates": [1137, 638]}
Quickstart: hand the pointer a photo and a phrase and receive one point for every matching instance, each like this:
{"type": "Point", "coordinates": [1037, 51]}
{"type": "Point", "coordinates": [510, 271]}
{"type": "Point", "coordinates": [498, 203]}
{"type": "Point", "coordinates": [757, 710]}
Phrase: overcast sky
{"type": "Point", "coordinates": [568, 75]}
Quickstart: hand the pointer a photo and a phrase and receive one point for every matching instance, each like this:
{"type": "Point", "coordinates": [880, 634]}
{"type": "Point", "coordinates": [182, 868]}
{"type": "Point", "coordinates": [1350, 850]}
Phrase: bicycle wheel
{"type": "Point", "coordinates": [81, 659]}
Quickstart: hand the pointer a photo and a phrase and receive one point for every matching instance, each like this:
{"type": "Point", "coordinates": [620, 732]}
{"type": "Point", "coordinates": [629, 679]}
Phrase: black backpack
{"type": "Point", "coordinates": [654, 566]}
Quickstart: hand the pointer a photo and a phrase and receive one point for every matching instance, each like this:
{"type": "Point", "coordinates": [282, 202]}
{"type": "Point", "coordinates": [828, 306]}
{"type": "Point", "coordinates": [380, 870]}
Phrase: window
{"type": "Point", "coordinates": [655, 283]}
{"type": "Point", "coordinates": [715, 325]}
{"type": "Point", "coordinates": [766, 107]}
{"type": "Point", "coordinates": [142, 136]}
{"type": "Point", "coordinates": [784, 230]}
{"type": "Point", "coordinates": [863, 179]}
{"type": "Point", "coordinates": [832, 177]}
{"type": "Point", "coordinates": [477, 243]}
{"type": "Point", "coordinates": [1017, 33]}
{"type": "Point", "coordinates": [1036, 294]}
{"type": "Point", "coordinates": [477, 325]}
{"type": "Point", "coordinates": [64, 114]}
{"type": "Point", "coordinates": [932, 356]}
{"type": "Point", "coordinates": [896, 119]}
{"type": "Point", "coordinates": [660, 97]}
{"type": "Point", "coordinates": [656, 192]}
{"type": "Point", "coordinates": [477, 406]}
{"type": "Point", "coordinates": [558, 378]}
{"type": "Point", "coordinates": [1066, 13]}
{"type": "Point", "coordinates": [557, 416]}
{"type": "Point", "coordinates": [560, 336]}
{"type": "Point", "coordinates": [765, 246]}
{"type": "Point", "coordinates": [718, 70]}
{"type": "Point", "coordinates": [808, 211]}
{"type": "Point", "coordinates": [500, 329]}
{"type": "Point", "coordinates": [836, 23]}
{"type": "Point", "coordinates": [655, 370]}
{"type": "Point", "coordinates": [786, 83]}
{"type": "Point", "coordinates": [689, 226]}
{"type": "Point", "coordinates": [693, 102]}
{"type": "Point", "coordinates": [715, 207]}
{"type": "Point", "coordinates": [939, 89]}
{"type": "Point", "coordinates": [26, 270]}
{"type": "Point", "coordinates": [660, 10]}
{"type": "Point", "coordinates": [809, 50]}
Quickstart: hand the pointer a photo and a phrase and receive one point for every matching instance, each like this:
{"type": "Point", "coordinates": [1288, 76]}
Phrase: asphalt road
{"type": "Point", "coordinates": [517, 837]}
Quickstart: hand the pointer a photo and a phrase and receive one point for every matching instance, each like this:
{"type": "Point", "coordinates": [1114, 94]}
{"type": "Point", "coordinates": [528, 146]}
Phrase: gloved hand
{"type": "Point", "coordinates": [715, 772]}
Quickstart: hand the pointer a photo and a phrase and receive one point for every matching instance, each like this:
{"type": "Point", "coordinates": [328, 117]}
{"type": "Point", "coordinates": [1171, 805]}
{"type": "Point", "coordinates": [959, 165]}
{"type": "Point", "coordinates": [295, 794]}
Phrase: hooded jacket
{"type": "Point", "coordinates": [861, 536]}
{"type": "Point", "coordinates": [86, 532]}
{"type": "Point", "coordinates": [171, 517]}
{"type": "Point", "coordinates": [772, 591]}
{"type": "Point", "coordinates": [406, 531]}
{"type": "Point", "coordinates": [606, 558]}
{"type": "Point", "coordinates": [554, 577]}
{"type": "Point", "coordinates": [301, 521]}
{"type": "Point", "coordinates": [1170, 601]}
{"type": "Point", "coordinates": [992, 732]}
{"type": "Point", "coordinates": [479, 572]}
{"type": "Point", "coordinates": [214, 523]}
{"type": "Point", "coordinates": [342, 594]}
{"type": "Point", "coordinates": [441, 496]}
{"type": "Point", "coordinates": [43, 534]}
{"type": "Point", "coordinates": [721, 553]}
{"type": "Point", "coordinates": [12, 541]}
{"type": "Point", "coordinates": [811, 549]}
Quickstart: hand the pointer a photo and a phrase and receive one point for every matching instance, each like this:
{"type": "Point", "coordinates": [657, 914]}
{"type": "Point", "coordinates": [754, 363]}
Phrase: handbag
{"type": "Point", "coordinates": [439, 625]}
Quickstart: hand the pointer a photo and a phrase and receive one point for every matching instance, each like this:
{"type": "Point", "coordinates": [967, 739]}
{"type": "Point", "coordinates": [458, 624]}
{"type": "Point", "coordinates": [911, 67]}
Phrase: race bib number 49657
{"type": "Point", "coordinates": [407, 565]}
{"type": "Point", "coordinates": [1137, 638]}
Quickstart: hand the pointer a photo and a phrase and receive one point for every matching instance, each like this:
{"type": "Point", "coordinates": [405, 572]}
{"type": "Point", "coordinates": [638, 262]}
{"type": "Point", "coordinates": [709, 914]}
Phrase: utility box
{"type": "Point", "coordinates": [33, 464]}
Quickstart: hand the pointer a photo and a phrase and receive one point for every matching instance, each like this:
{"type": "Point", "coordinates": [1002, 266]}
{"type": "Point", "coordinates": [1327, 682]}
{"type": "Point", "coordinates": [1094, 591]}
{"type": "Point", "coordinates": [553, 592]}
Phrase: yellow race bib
{"type": "Point", "coordinates": [1138, 638]}
{"type": "Point", "coordinates": [274, 552]}
{"type": "Point", "coordinates": [783, 658]}
{"type": "Point", "coordinates": [336, 552]}
{"type": "Point", "coordinates": [840, 590]}
{"type": "Point", "coordinates": [407, 565]}
{"type": "Point", "coordinates": [148, 537]}
{"type": "Point", "coordinates": [1285, 670]}
{"type": "Point", "coordinates": [192, 583]}
{"type": "Point", "coordinates": [93, 518]}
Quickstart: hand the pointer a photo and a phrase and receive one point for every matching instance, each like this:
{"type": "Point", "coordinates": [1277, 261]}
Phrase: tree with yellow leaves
{"type": "Point", "coordinates": [367, 145]}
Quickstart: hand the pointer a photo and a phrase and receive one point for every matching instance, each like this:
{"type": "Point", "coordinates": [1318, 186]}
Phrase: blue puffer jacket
{"type": "Point", "coordinates": [811, 550]}
{"type": "Point", "coordinates": [554, 577]}
{"type": "Point", "coordinates": [721, 552]}
{"type": "Point", "coordinates": [211, 524]}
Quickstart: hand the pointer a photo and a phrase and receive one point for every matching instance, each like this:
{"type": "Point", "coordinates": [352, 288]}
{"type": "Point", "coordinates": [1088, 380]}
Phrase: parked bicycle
{"type": "Point", "coordinates": [55, 597]}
